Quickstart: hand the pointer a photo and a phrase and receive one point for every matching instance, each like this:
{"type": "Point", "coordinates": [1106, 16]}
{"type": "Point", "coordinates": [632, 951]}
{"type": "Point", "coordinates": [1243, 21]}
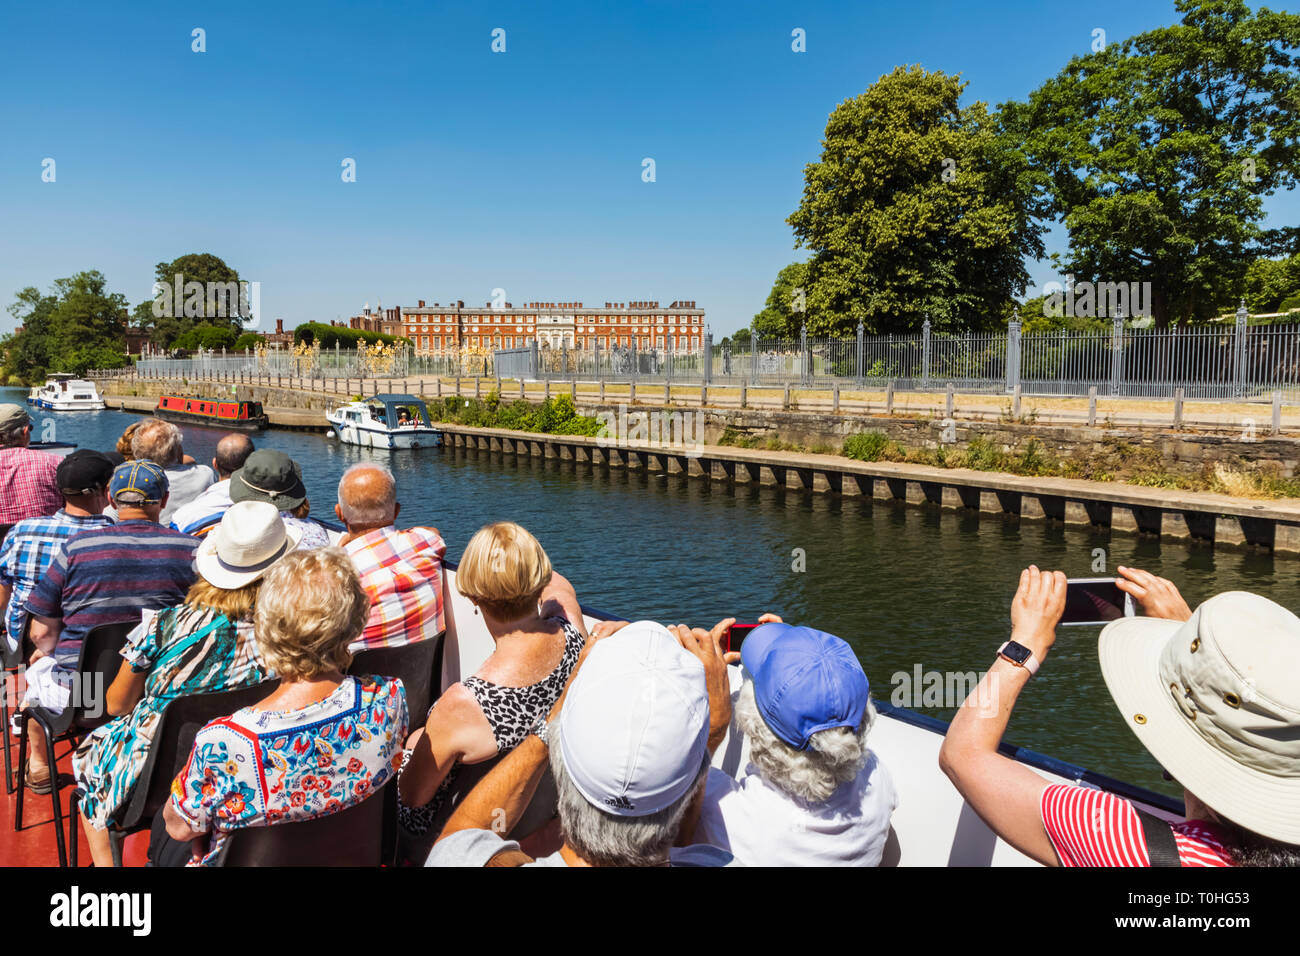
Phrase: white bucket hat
{"type": "Point", "coordinates": [635, 724]}
{"type": "Point", "coordinates": [250, 538]}
{"type": "Point", "coordinates": [1216, 700]}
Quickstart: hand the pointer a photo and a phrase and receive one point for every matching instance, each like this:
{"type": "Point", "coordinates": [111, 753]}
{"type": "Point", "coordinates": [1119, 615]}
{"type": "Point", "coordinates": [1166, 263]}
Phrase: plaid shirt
{"type": "Point", "coordinates": [26, 555]}
{"type": "Point", "coordinates": [402, 573]}
{"type": "Point", "coordinates": [31, 489]}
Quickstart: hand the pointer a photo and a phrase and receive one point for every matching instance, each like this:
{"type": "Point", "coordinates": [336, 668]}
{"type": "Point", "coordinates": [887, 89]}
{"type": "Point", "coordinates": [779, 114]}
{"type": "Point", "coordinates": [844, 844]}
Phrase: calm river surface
{"type": "Point", "coordinates": [906, 586]}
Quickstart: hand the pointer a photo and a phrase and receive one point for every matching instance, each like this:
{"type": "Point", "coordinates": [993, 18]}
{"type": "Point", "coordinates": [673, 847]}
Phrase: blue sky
{"type": "Point", "coordinates": [475, 170]}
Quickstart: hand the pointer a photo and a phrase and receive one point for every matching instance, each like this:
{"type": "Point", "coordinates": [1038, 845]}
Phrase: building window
{"type": "Point", "coordinates": [695, 342]}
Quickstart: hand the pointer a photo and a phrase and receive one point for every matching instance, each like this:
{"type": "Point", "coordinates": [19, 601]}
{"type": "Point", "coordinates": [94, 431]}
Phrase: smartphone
{"type": "Point", "coordinates": [736, 635]}
{"type": "Point", "coordinates": [1094, 601]}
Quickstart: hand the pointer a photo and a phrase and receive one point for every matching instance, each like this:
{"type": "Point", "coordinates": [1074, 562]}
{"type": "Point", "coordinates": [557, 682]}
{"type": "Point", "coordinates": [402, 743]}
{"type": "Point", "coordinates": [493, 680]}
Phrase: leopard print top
{"type": "Point", "coordinates": [511, 712]}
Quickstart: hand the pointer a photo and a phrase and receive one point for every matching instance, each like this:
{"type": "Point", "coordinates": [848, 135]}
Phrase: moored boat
{"type": "Point", "coordinates": [385, 421]}
{"type": "Point", "coordinates": [64, 393]}
{"type": "Point", "coordinates": [214, 412]}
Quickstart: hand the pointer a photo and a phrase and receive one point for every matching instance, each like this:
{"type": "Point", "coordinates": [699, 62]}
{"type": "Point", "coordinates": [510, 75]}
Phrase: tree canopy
{"type": "Point", "coordinates": [917, 206]}
{"type": "Point", "coordinates": [1157, 151]}
{"type": "Point", "coordinates": [77, 326]}
{"type": "Point", "coordinates": [219, 304]}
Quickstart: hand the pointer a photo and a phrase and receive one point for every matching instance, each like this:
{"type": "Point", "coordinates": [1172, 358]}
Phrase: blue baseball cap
{"type": "Point", "coordinates": [138, 483]}
{"type": "Point", "coordinates": [804, 681]}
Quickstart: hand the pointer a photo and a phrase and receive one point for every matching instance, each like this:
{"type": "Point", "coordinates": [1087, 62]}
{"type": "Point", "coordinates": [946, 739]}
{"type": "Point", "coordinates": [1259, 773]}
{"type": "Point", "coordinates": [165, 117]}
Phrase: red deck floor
{"type": "Point", "coordinates": [35, 844]}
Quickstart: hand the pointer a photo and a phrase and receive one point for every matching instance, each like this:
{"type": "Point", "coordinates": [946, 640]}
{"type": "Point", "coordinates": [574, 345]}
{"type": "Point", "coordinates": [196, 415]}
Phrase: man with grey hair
{"type": "Point", "coordinates": [27, 475]}
{"type": "Point", "coordinates": [628, 744]}
{"type": "Point", "coordinates": [159, 441]}
{"type": "Point", "coordinates": [400, 570]}
{"type": "Point", "coordinates": [813, 793]}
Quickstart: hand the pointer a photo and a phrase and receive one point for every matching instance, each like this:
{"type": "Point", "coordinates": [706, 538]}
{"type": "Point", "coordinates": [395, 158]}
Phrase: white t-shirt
{"type": "Point", "coordinates": [184, 484]}
{"type": "Point", "coordinates": [762, 826]}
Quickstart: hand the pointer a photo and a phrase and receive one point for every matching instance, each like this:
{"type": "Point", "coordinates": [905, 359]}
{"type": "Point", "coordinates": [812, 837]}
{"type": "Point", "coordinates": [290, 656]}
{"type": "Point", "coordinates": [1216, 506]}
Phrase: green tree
{"type": "Point", "coordinates": [916, 205]}
{"type": "Point", "coordinates": [77, 326]}
{"type": "Point", "coordinates": [206, 337]}
{"type": "Point", "coordinates": [1157, 153]}
{"type": "Point", "coordinates": [219, 303]}
{"type": "Point", "coordinates": [786, 308]}
{"type": "Point", "coordinates": [249, 340]}
{"type": "Point", "coordinates": [1269, 282]}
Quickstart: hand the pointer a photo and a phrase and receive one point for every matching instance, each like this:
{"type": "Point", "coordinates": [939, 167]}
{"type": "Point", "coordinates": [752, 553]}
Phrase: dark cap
{"type": "Point", "coordinates": [138, 482]}
{"type": "Point", "coordinates": [84, 471]}
{"type": "Point", "coordinates": [269, 475]}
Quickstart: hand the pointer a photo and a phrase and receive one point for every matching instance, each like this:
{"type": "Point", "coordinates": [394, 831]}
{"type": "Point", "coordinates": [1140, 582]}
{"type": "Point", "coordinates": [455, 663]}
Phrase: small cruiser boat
{"type": "Point", "coordinates": [216, 412]}
{"type": "Point", "coordinates": [385, 421]}
{"type": "Point", "coordinates": [64, 393]}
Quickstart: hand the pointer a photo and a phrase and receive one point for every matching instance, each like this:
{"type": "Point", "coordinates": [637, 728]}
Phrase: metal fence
{"type": "Point", "coordinates": [1213, 362]}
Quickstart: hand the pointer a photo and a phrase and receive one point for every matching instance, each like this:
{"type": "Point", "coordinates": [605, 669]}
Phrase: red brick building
{"type": "Point", "coordinates": [385, 321]}
{"type": "Point", "coordinates": [678, 327]}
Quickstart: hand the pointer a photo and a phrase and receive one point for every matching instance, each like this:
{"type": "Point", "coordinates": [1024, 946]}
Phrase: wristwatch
{"type": "Point", "coordinates": [541, 729]}
{"type": "Point", "coordinates": [1019, 655]}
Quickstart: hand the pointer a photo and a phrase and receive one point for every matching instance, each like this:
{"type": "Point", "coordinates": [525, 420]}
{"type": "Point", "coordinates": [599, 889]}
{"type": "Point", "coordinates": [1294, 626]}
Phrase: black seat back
{"type": "Point", "coordinates": [97, 666]}
{"type": "Point", "coordinates": [361, 835]}
{"type": "Point", "coordinates": [418, 665]}
{"type": "Point", "coordinates": [173, 740]}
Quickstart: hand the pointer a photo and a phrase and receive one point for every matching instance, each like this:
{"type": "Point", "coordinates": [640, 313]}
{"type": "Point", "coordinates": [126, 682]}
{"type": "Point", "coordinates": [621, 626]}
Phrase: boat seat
{"type": "Point", "coordinates": [417, 665]}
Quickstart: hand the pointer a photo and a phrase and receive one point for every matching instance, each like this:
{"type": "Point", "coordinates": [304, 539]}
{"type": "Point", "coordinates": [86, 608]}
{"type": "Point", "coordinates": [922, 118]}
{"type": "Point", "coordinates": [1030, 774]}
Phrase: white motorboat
{"type": "Point", "coordinates": [385, 421]}
{"type": "Point", "coordinates": [64, 393]}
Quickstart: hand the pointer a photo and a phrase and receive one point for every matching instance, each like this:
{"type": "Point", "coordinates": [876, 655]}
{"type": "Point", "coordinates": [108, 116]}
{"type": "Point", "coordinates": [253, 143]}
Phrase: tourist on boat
{"type": "Point", "coordinates": [400, 570]}
{"type": "Point", "coordinates": [628, 746]}
{"type": "Point", "coordinates": [204, 512]}
{"type": "Point", "coordinates": [160, 441]}
{"type": "Point", "coordinates": [103, 575]}
{"type": "Point", "coordinates": [538, 630]}
{"type": "Point", "coordinates": [124, 443]}
{"type": "Point", "coordinates": [1213, 694]}
{"type": "Point", "coordinates": [813, 794]}
{"type": "Point", "coordinates": [204, 645]}
{"type": "Point", "coordinates": [319, 743]}
{"type": "Point", "coordinates": [82, 478]}
{"type": "Point", "coordinates": [270, 475]}
{"type": "Point", "coordinates": [27, 475]}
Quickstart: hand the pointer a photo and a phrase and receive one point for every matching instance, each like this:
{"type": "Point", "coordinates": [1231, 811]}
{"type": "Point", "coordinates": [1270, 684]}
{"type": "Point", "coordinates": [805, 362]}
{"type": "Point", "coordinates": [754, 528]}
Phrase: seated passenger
{"type": "Point", "coordinates": [270, 475]}
{"type": "Point", "coordinates": [32, 543]}
{"type": "Point", "coordinates": [813, 793]}
{"type": "Point", "coordinates": [536, 625]}
{"type": "Point", "coordinates": [104, 575]}
{"type": "Point", "coordinates": [400, 570]}
{"type": "Point", "coordinates": [629, 747]}
{"type": "Point", "coordinates": [1214, 695]}
{"type": "Point", "coordinates": [203, 513]}
{"type": "Point", "coordinates": [202, 646]}
{"type": "Point", "coordinates": [160, 441]}
{"type": "Point", "coordinates": [321, 742]}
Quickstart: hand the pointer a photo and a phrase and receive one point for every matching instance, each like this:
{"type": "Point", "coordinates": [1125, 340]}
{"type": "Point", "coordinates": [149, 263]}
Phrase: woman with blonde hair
{"type": "Point", "coordinates": [319, 743]}
{"type": "Point", "coordinates": [202, 646]}
{"type": "Point", "coordinates": [536, 625]}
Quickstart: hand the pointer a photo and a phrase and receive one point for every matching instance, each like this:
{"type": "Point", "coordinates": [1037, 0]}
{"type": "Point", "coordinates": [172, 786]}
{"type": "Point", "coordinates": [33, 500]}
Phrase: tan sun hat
{"type": "Point", "coordinates": [251, 537]}
{"type": "Point", "coordinates": [1216, 700]}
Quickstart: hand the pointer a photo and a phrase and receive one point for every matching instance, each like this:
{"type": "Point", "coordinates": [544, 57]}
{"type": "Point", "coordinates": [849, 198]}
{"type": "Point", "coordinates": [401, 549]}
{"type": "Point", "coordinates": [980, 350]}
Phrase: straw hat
{"type": "Point", "coordinates": [249, 540]}
{"type": "Point", "coordinates": [1216, 700]}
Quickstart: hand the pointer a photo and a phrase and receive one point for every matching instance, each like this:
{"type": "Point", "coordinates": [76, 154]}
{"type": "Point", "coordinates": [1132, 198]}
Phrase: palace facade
{"type": "Point", "coordinates": [678, 327]}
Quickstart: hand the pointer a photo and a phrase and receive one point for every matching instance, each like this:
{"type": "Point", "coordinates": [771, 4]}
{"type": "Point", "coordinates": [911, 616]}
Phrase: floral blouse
{"type": "Point", "coordinates": [259, 768]}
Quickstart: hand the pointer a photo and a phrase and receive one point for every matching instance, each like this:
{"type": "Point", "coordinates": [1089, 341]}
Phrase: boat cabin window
{"type": "Point", "coordinates": [409, 416]}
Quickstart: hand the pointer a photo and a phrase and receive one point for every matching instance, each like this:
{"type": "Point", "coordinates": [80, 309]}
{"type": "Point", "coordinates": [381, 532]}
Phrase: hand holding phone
{"type": "Point", "coordinates": [1095, 601]}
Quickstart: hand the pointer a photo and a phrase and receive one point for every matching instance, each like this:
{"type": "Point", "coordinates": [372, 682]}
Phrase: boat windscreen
{"type": "Point", "coordinates": [408, 415]}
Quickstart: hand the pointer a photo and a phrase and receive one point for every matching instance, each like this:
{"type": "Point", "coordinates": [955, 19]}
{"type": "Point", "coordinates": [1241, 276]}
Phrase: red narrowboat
{"type": "Point", "coordinates": [214, 412]}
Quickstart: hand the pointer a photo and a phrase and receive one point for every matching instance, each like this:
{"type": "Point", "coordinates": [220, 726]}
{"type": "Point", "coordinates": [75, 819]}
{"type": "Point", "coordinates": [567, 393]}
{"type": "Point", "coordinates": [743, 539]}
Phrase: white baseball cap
{"type": "Point", "coordinates": [634, 728]}
{"type": "Point", "coordinates": [1216, 700]}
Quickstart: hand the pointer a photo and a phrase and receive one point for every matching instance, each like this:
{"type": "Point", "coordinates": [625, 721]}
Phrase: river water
{"type": "Point", "coordinates": [907, 587]}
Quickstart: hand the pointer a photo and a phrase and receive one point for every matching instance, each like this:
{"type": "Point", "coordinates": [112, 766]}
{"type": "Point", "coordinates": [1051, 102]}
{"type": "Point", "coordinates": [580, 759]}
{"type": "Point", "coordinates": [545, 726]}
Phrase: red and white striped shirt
{"type": "Point", "coordinates": [1094, 828]}
{"type": "Point", "coordinates": [402, 573]}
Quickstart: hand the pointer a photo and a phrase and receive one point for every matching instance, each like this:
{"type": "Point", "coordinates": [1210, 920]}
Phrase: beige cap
{"type": "Point", "coordinates": [11, 415]}
{"type": "Point", "coordinates": [1216, 700]}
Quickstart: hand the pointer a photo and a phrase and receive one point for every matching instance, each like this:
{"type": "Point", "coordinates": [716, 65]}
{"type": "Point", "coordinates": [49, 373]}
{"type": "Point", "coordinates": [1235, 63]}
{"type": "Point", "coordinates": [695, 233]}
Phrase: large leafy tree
{"type": "Point", "coordinates": [1157, 153]}
{"type": "Point", "coordinates": [786, 309]}
{"type": "Point", "coordinates": [221, 309]}
{"type": "Point", "coordinates": [79, 325]}
{"type": "Point", "coordinates": [917, 206]}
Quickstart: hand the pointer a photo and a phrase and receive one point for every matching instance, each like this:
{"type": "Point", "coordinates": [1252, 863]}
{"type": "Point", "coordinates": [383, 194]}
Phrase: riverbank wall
{"type": "Point", "coordinates": [1211, 519]}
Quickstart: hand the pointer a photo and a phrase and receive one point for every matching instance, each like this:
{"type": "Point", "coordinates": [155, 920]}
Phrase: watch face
{"type": "Point", "coordinates": [1016, 652]}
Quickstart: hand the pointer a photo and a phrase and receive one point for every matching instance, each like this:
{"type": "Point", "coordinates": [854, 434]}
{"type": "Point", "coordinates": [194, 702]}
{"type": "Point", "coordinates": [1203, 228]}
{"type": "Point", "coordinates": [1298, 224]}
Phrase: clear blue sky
{"type": "Point", "coordinates": [475, 170]}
